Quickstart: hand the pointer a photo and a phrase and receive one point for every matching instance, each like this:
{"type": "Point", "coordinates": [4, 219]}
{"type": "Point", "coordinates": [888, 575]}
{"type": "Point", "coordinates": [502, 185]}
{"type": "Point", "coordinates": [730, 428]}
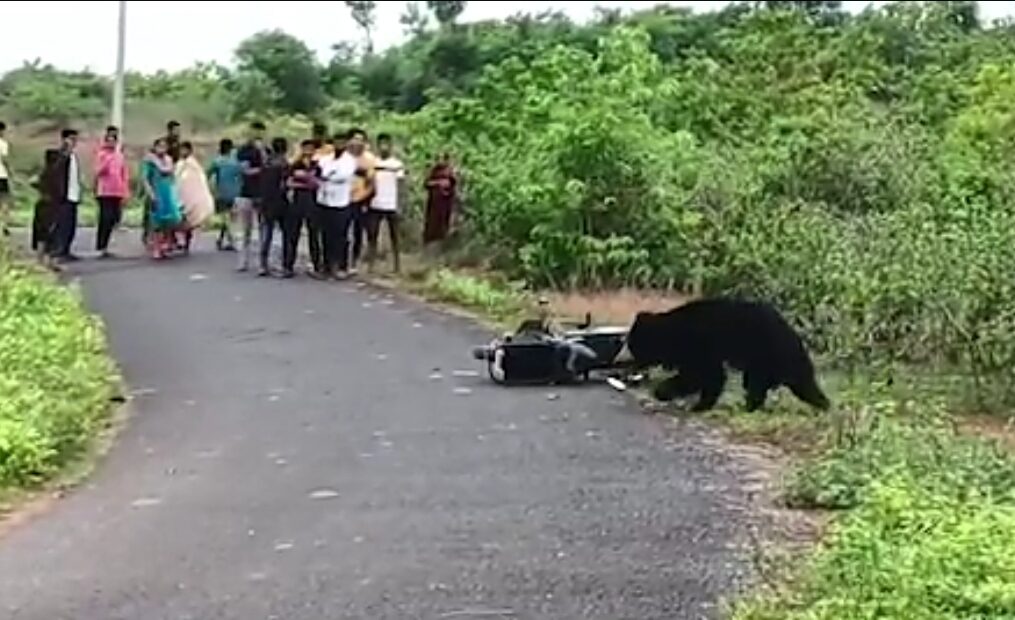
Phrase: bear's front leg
{"type": "Point", "coordinates": [680, 385]}
{"type": "Point", "coordinates": [713, 382]}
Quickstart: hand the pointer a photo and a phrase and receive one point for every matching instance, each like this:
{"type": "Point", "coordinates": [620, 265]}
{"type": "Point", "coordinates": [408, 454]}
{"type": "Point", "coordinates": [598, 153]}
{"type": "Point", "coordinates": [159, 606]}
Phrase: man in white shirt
{"type": "Point", "coordinates": [387, 203]}
{"type": "Point", "coordinates": [5, 181]}
{"type": "Point", "coordinates": [67, 213]}
{"type": "Point", "coordinates": [334, 195]}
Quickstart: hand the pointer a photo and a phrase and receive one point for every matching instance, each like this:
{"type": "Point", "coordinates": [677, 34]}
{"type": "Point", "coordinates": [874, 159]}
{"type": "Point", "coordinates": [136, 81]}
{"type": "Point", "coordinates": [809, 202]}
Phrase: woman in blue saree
{"type": "Point", "coordinates": [163, 202]}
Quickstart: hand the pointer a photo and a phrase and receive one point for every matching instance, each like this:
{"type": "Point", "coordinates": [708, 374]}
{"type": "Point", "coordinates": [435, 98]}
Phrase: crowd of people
{"type": "Point", "coordinates": [339, 190]}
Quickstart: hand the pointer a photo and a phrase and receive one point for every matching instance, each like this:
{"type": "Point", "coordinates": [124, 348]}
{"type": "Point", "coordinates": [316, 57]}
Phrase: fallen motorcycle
{"type": "Point", "coordinates": [533, 356]}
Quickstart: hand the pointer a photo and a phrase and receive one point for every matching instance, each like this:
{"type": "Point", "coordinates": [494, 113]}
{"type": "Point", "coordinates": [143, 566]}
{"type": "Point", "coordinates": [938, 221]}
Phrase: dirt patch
{"type": "Point", "coordinates": [613, 307]}
{"type": "Point", "coordinates": [990, 427]}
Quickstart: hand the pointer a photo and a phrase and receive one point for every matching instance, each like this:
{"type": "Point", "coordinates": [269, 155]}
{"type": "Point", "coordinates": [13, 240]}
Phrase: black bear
{"type": "Point", "coordinates": [700, 338]}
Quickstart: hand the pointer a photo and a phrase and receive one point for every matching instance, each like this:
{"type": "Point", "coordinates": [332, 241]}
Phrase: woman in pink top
{"type": "Point", "coordinates": [112, 187]}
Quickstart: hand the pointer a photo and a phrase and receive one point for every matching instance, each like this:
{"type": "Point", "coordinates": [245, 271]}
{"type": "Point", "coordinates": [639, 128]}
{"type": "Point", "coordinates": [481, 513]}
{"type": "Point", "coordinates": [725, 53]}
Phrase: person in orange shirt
{"type": "Point", "coordinates": [363, 188]}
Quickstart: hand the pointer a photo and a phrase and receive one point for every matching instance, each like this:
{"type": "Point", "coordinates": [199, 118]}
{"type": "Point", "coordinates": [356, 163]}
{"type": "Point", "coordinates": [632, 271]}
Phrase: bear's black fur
{"type": "Point", "coordinates": [700, 338]}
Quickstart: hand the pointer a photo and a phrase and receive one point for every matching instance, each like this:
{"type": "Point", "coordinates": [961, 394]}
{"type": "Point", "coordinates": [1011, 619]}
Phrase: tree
{"type": "Point", "coordinates": [446, 11]}
{"type": "Point", "coordinates": [286, 63]}
{"type": "Point", "coordinates": [414, 20]}
{"type": "Point", "coordinates": [363, 13]}
{"type": "Point", "coordinates": [253, 92]}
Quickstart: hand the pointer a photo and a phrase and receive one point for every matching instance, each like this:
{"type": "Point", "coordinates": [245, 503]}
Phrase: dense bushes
{"type": "Point", "coordinates": [56, 380]}
{"type": "Point", "coordinates": [818, 166]}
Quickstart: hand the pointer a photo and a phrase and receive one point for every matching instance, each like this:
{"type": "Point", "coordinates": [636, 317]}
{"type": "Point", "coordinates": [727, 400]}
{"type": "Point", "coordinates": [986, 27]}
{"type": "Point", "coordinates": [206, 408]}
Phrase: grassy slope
{"type": "Point", "coordinates": [58, 382]}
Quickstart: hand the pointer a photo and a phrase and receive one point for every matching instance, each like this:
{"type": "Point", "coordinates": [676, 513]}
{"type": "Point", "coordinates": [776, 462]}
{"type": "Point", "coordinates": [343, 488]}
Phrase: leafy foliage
{"type": "Point", "coordinates": [55, 377]}
{"type": "Point", "coordinates": [286, 63]}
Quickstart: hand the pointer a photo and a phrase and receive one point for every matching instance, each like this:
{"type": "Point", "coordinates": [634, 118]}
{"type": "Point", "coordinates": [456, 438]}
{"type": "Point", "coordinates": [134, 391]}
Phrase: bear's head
{"type": "Point", "coordinates": [644, 340]}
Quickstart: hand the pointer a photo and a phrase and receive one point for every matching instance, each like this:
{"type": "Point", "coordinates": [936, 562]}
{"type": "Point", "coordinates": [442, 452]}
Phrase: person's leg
{"type": "Point", "coordinates": [267, 236]}
{"type": "Point", "coordinates": [107, 219]}
{"type": "Point", "coordinates": [394, 223]}
{"type": "Point", "coordinates": [344, 221]}
{"type": "Point", "coordinates": [331, 233]}
{"type": "Point", "coordinates": [5, 207]}
{"type": "Point", "coordinates": [244, 211]}
{"type": "Point", "coordinates": [357, 219]}
{"type": "Point", "coordinates": [146, 223]}
{"type": "Point", "coordinates": [315, 241]}
{"type": "Point", "coordinates": [61, 216]}
{"type": "Point", "coordinates": [292, 226]}
{"type": "Point", "coordinates": [372, 224]}
{"type": "Point", "coordinates": [72, 232]}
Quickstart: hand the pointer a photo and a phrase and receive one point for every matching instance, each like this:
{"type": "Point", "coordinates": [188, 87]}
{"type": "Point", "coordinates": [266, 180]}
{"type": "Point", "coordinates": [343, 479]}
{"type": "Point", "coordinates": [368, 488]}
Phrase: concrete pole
{"type": "Point", "coordinates": [121, 44]}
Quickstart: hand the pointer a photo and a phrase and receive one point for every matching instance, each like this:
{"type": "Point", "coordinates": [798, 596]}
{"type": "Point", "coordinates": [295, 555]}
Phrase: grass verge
{"type": "Point", "coordinates": [58, 385]}
{"type": "Point", "coordinates": [923, 512]}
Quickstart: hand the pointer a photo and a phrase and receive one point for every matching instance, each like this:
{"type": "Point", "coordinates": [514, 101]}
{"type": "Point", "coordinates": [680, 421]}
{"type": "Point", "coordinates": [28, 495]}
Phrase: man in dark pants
{"type": "Point", "coordinates": [69, 167]}
{"type": "Point", "coordinates": [333, 207]}
{"type": "Point", "coordinates": [303, 180]}
{"type": "Point", "coordinates": [362, 189]}
{"type": "Point", "coordinates": [252, 156]}
{"type": "Point", "coordinates": [274, 199]}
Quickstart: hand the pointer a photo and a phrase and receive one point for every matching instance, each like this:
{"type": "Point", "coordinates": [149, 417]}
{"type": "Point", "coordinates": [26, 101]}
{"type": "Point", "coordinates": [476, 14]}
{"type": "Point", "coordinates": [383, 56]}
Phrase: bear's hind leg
{"type": "Point", "coordinates": [713, 381]}
{"type": "Point", "coordinates": [757, 386]}
{"type": "Point", "coordinates": [676, 386]}
{"type": "Point", "coordinates": [807, 390]}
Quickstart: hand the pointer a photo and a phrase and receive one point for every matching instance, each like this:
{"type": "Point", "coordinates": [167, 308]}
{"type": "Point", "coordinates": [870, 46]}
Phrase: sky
{"type": "Point", "coordinates": [79, 35]}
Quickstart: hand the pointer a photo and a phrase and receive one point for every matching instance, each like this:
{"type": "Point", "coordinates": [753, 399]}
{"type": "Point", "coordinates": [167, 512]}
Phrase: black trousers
{"type": "Point", "coordinates": [270, 219]}
{"type": "Point", "coordinates": [335, 224]}
{"type": "Point", "coordinates": [358, 216]}
{"type": "Point", "coordinates": [302, 212]}
{"type": "Point", "coordinates": [373, 220]}
{"type": "Point", "coordinates": [65, 229]}
{"type": "Point", "coordinates": [110, 210]}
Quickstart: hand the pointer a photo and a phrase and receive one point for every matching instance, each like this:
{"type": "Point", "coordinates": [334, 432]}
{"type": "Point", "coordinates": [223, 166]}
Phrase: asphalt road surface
{"type": "Point", "coordinates": [307, 451]}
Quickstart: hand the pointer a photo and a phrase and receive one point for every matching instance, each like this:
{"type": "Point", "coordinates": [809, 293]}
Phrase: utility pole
{"type": "Point", "coordinates": [121, 45]}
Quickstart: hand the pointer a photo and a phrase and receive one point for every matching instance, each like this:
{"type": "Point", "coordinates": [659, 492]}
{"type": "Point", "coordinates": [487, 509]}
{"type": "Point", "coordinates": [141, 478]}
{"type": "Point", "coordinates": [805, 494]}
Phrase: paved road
{"type": "Point", "coordinates": [294, 454]}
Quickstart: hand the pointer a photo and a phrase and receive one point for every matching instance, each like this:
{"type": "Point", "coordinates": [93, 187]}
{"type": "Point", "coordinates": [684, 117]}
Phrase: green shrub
{"type": "Point", "coordinates": [908, 552]}
{"type": "Point", "coordinates": [56, 380]}
{"type": "Point", "coordinates": [927, 454]}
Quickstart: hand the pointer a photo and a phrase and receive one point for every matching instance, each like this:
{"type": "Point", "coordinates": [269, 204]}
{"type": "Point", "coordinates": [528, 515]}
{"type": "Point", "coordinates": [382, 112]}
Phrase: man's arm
{"type": "Point", "coordinates": [247, 167]}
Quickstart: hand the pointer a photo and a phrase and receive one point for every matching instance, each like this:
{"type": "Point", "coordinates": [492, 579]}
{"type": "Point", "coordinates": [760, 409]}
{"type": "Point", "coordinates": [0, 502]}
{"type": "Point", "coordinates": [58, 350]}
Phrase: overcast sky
{"type": "Point", "coordinates": [174, 35]}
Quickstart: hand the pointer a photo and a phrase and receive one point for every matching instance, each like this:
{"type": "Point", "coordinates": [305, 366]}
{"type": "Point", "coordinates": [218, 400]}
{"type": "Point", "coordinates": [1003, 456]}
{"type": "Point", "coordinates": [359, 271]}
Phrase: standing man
{"type": "Point", "coordinates": [389, 199]}
{"type": "Point", "coordinates": [362, 189]}
{"type": "Point", "coordinates": [304, 175]}
{"type": "Point", "coordinates": [334, 196]}
{"type": "Point", "coordinates": [274, 200]}
{"type": "Point", "coordinates": [112, 187]}
{"type": "Point", "coordinates": [173, 140]}
{"type": "Point", "coordinates": [5, 181]}
{"type": "Point", "coordinates": [252, 156]}
{"type": "Point", "coordinates": [69, 168]}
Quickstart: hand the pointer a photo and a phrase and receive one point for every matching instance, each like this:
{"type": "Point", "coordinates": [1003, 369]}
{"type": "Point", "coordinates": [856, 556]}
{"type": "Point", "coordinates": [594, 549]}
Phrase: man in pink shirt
{"type": "Point", "coordinates": [112, 187]}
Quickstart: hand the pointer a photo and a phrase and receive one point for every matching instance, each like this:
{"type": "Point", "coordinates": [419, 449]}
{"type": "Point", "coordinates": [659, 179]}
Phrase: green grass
{"type": "Point", "coordinates": [57, 380]}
